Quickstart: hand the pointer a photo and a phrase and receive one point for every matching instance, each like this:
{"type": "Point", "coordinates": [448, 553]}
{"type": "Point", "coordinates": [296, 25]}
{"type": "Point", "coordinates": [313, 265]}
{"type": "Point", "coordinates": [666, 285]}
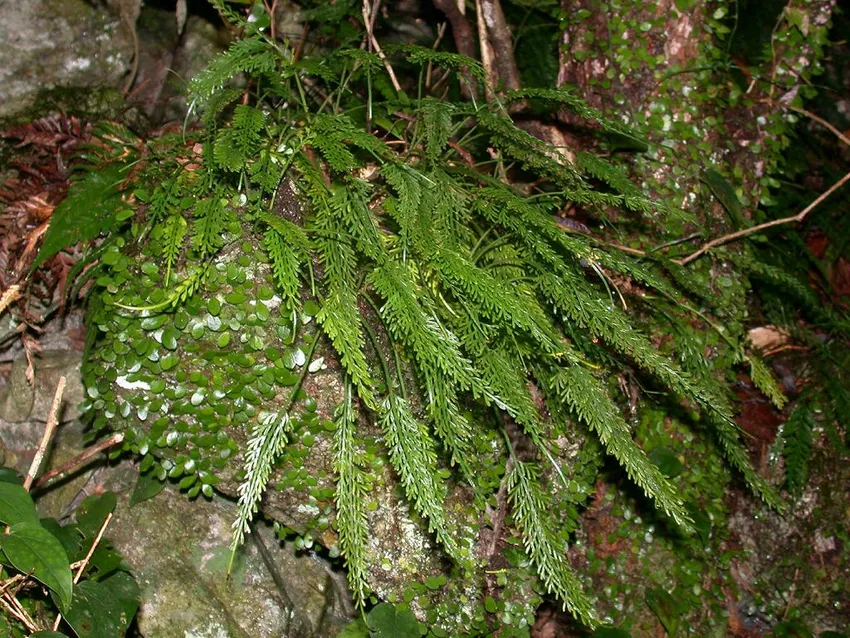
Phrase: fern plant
{"type": "Point", "coordinates": [463, 316]}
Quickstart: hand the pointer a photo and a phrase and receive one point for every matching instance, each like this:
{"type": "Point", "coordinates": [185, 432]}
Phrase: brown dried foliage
{"type": "Point", "coordinates": [38, 182]}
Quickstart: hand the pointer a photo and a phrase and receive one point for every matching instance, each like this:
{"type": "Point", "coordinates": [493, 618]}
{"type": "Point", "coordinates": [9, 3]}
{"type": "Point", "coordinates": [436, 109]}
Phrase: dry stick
{"type": "Point", "coordinates": [486, 53]}
{"type": "Point", "coordinates": [14, 608]}
{"type": "Point", "coordinates": [754, 229]}
{"type": "Point", "coordinates": [10, 295]}
{"type": "Point", "coordinates": [10, 602]}
{"type": "Point", "coordinates": [820, 121]}
{"type": "Point", "coordinates": [80, 459]}
{"type": "Point", "coordinates": [52, 420]}
{"type": "Point", "coordinates": [368, 23]}
{"type": "Point", "coordinates": [85, 562]}
{"type": "Point", "coordinates": [795, 218]}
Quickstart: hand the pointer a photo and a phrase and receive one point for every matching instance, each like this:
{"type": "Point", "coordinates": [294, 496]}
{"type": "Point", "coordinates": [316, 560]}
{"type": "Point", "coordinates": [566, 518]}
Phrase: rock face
{"type": "Point", "coordinates": [22, 401]}
{"type": "Point", "coordinates": [179, 553]}
{"type": "Point", "coordinates": [50, 43]}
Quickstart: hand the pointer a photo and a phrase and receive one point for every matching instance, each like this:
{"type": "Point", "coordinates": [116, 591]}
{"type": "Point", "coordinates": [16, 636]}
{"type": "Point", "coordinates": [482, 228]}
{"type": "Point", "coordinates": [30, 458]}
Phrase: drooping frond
{"type": "Point", "coordinates": [412, 454]}
{"type": "Point", "coordinates": [764, 380]}
{"type": "Point", "coordinates": [563, 97]}
{"type": "Point", "coordinates": [532, 515]}
{"type": "Point", "coordinates": [797, 446]}
{"type": "Point", "coordinates": [350, 498]}
{"type": "Point", "coordinates": [433, 345]}
{"type": "Point", "coordinates": [267, 441]}
{"type": "Point", "coordinates": [585, 395]}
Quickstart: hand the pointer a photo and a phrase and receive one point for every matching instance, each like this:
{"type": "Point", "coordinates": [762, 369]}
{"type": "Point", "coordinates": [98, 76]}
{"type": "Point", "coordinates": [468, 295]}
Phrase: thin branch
{"type": "Point", "coordinates": [13, 607]}
{"type": "Point", "coordinates": [820, 121]}
{"type": "Point", "coordinates": [368, 22]}
{"type": "Point", "coordinates": [486, 53]}
{"type": "Point", "coordinates": [10, 295]}
{"type": "Point", "coordinates": [52, 420]}
{"type": "Point", "coordinates": [80, 459]}
{"type": "Point", "coordinates": [85, 561]}
{"type": "Point", "coordinates": [754, 229]}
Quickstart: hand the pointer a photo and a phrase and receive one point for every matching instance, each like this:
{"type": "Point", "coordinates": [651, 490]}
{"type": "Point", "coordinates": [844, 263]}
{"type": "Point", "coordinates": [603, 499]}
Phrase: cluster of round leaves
{"type": "Point", "coordinates": [185, 383]}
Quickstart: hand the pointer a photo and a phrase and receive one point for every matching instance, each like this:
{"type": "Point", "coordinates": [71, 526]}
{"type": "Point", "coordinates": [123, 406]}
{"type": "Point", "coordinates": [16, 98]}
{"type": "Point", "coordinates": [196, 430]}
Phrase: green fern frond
{"type": "Point", "coordinates": [251, 55]}
{"type": "Point", "coordinates": [532, 516]}
{"type": "Point", "coordinates": [332, 134]}
{"type": "Point", "coordinates": [586, 396]}
{"type": "Point", "coordinates": [458, 64]}
{"type": "Point", "coordinates": [466, 281]}
{"type": "Point", "coordinates": [797, 446]}
{"type": "Point", "coordinates": [417, 327]}
{"type": "Point", "coordinates": [405, 209]}
{"type": "Point", "coordinates": [565, 98]}
{"type": "Point", "coordinates": [237, 144]}
{"type": "Point", "coordinates": [170, 236]}
{"type": "Point", "coordinates": [437, 119]}
{"type": "Point", "coordinates": [765, 381]}
{"type": "Point", "coordinates": [286, 265]}
{"type": "Point", "coordinates": [508, 379]}
{"type": "Point", "coordinates": [91, 208]}
{"type": "Point", "coordinates": [268, 439]}
{"type": "Point", "coordinates": [212, 217]}
{"type": "Point", "coordinates": [451, 427]}
{"type": "Point", "coordinates": [339, 316]}
{"type": "Point", "coordinates": [350, 498]}
{"type": "Point", "coordinates": [533, 153]}
{"type": "Point", "coordinates": [412, 454]}
{"type": "Point", "coordinates": [350, 208]}
{"type": "Point", "coordinates": [798, 289]}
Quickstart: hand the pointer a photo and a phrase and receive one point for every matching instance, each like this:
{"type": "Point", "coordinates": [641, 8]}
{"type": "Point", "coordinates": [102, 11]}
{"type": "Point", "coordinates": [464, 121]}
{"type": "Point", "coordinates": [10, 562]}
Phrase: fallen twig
{"type": "Point", "coordinates": [52, 420]}
{"type": "Point", "coordinates": [80, 459]}
{"type": "Point", "coordinates": [725, 239]}
{"type": "Point", "coordinates": [85, 561]}
{"type": "Point", "coordinates": [13, 607]}
{"type": "Point", "coordinates": [369, 23]}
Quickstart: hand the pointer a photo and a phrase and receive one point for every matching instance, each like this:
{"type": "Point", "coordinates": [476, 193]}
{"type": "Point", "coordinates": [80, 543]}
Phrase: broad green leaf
{"type": "Point", "coordinates": [48, 634]}
{"type": "Point", "coordinates": [16, 505]}
{"type": "Point", "coordinates": [33, 550]}
{"type": "Point", "coordinates": [69, 536]}
{"type": "Point", "coordinates": [126, 590]}
{"type": "Point", "coordinates": [355, 629]}
{"type": "Point", "coordinates": [725, 194]}
{"type": "Point", "coordinates": [666, 461]}
{"type": "Point", "coordinates": [104, 561]}
{"type": "Point", "coordinates": [664, 606]}
{"type": "Point", "coordinates": [96, 612]}
{"type": "Point", "coordinates": [93, 511]}
{"type": "Point", "coordinates": [147, 487]}
{"type": "Point", "coordinates": [611, 632]}
{"type": "Point", "coordinates": [387, 621]}
{"type": "Point", "coordinates": [9, 475]}
{"type": "Point", "coordinates": [88, 211]}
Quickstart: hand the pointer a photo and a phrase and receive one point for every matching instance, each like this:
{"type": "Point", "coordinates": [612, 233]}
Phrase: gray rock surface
{"type": "Point", "coordinates": [179, 552]}
{"type": "Point", "coordinates": [21, 401]}
{"type": "Point", "coordinates": [49, 43]}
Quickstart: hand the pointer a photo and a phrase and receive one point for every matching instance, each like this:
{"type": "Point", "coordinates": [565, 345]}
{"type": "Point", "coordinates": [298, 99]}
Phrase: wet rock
{"type": "Point", "coordinates": [22, 401]}
{"type": "Point", "coordinates": [179, 552]}
{"type": "Point", "coordinates": [49, 43]}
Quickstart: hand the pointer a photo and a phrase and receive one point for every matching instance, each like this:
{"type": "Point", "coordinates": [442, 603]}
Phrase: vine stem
{"type": "Point", "coordinates": [85, 562]}
{"type": "Point", "coordinates": [52, 420]}
{"type": "Point", "coordinates": [725, 239]}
